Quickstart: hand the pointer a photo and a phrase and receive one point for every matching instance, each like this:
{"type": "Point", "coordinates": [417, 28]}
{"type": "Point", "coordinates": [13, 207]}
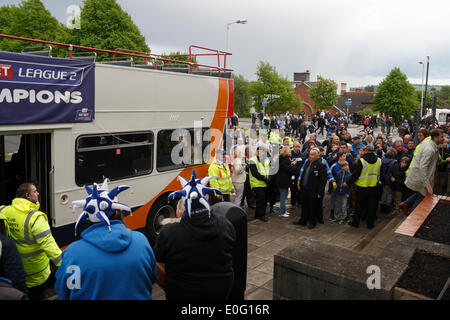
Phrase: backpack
{"type": "Point", "coordinates": [7, 291]}
{"type": "Point", "coordinates": [386, 171]}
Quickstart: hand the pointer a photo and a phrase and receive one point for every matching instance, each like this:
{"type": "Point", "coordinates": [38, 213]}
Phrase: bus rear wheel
{"type": "Point", "coordinates": [161, 209]}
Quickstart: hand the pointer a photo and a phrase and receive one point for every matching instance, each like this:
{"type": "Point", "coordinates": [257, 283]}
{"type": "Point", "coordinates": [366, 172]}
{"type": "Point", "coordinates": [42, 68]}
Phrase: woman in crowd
{"type": "Point", "coordinates": [286, 170]}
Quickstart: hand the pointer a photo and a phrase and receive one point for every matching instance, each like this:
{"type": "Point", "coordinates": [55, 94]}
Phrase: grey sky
{"type": "Point", "coordinates": [351, 41]}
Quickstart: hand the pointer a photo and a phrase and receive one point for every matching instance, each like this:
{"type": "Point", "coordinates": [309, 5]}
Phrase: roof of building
{"type": "Point", "coordinates": [360, 100]}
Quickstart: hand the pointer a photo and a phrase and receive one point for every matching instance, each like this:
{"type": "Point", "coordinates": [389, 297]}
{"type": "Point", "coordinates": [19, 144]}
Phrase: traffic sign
{"type": "Point", "coordinates": [348, 102]}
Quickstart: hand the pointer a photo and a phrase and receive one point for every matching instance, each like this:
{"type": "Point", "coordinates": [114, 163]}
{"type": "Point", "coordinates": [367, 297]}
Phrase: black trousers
{"type": "Point", "coordinates": [261, 201]}
{"type": "Point", "coordinates": [295, 194]}
{"type": "Point", "coordinates": [302, 138]}
{"type": "Point", "coordinates": [310, 208]}
{"type": "Point", "coordinates": [320, 210]}
{"type": "Point", "coordinates": [366, 205]}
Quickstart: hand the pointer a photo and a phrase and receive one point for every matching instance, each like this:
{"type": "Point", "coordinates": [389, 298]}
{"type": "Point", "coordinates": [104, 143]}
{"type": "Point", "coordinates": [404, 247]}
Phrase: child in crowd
{"type": "Point", "coordinates": [335, 170]}
{"type": "Point", "coordinates": [342, 193]}
{"type": "Point", "coordinates": [398, 177]}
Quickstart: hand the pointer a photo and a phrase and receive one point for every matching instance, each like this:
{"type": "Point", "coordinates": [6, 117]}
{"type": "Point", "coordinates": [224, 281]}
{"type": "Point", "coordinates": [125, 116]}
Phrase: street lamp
{"type": "Point", "coordinates": [426, 81]}
{"type": "Point", "coordinates": [421, 96]}
{"type": "Point", "coordinates": [241, 21]}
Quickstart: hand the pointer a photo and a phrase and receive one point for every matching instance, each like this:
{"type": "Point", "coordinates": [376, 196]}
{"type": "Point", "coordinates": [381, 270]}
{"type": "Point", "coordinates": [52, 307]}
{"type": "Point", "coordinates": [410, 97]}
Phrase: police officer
{"type": "Point", "coordinates": [221, 172]}
{"type": "Point", "coordinates": [259, 168]}
{"type": "Point", "coordinates": [30, 230]}
{"type": "Point", "coordinates": [311, 183]}
{"type": "Point", "coordinates": [365, 177]}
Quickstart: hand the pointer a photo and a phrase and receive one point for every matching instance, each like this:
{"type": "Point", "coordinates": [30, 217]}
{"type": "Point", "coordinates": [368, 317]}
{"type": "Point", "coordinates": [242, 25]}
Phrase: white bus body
{"type": "Point", "coordinates": [127, 100]}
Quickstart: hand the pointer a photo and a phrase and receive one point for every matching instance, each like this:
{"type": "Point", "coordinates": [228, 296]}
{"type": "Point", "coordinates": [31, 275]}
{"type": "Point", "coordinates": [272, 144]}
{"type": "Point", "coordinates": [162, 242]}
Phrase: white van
{"type": "Point", "coordinates": [442, 115]}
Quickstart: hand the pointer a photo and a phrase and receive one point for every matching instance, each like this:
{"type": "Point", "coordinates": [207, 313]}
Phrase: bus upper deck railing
{"type": "Point", "coordinates": [158, 61]}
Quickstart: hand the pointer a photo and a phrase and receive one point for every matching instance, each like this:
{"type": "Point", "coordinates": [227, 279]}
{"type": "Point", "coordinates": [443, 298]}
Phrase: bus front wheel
{"type": "Point", "coordinates": [161, 209]}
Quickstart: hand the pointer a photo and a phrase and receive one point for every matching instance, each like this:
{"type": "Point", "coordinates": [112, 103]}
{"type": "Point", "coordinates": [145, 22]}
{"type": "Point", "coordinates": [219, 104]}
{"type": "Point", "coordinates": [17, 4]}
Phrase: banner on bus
{"type": "Point", "coordinates": [36, 89]}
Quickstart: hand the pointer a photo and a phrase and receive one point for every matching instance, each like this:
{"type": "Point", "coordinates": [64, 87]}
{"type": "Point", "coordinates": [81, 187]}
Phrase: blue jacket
{"type": "Point", "coordinates": [356, 148]}
{"type": "Point", "coordinates": [341, 177]}
{"type": "Point", "coordinates": [116, 265]}
{"type": "Point", "coordinates": [330, 177]}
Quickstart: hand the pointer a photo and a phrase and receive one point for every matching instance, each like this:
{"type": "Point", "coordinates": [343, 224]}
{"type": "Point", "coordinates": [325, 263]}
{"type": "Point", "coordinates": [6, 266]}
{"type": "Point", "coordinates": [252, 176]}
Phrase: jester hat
{"type": "Point", "coordinates": [100, 204]}
{"type": "Point", "coordinates": [194, 194]}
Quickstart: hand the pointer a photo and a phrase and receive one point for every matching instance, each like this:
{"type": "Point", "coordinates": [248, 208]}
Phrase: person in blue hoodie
{"type": "Point", "coordinates": [110, 262]}
{"type": "Point", "coordinates": [342, 193]}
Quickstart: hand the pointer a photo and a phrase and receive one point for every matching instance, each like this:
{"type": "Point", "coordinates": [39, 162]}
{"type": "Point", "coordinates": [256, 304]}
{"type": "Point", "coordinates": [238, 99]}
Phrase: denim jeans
{"type": "Point", "coordinates": [413, 201]}
{"type": "Point", "coordinates": [283, 197]}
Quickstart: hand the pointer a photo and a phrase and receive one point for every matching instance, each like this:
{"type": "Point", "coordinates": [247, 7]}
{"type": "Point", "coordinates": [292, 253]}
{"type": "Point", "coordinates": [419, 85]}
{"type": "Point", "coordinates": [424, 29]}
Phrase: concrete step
{"type": "Point", "coordinates": [361, 244]}
{"type": "Point", "coordinates": [376, 245]}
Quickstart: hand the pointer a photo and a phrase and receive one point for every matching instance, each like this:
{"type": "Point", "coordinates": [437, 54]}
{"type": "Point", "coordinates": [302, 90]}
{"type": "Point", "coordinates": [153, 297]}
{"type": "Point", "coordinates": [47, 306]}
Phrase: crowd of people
{"type": "Point", "coordinates": [366, 173]}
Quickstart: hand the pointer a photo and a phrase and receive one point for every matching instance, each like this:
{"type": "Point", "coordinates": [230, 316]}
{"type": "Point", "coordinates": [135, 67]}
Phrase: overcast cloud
{"type": "Point", "coordinates": [351, 41]}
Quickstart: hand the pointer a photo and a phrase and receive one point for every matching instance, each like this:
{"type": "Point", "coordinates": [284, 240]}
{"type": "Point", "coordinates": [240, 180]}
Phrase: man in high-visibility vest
{"type": "Point", "coordinates": [30, 230]}
{"type": "Point", "coordinates": [221, 174]}
{"type": "Point", "coordinates": [365, 177]}
{"type": "Point", "coordinates": [259, 168]}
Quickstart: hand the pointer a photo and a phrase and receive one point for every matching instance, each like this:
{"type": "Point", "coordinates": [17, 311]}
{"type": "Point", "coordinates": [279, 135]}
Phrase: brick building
{"type": "Point", "coordinates": [360, 99]}
{"type": "Point", "coordinates": [301, 87]}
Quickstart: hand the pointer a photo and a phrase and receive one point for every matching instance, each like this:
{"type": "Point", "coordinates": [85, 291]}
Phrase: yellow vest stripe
{"type": "Point", "coordinates": [31, 254]}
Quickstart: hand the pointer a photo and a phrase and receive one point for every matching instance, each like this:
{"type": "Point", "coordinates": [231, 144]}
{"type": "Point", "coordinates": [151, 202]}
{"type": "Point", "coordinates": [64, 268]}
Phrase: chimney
{"type": "Point", "coordinates": [301, 76]}
{"type": "Point", "coordinates": [343, 88]}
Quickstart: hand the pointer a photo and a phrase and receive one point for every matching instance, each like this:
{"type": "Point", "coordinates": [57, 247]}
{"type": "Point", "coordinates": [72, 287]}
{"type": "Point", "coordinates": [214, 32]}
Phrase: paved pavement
{"type": "Point", "coordinates": [265, 239]}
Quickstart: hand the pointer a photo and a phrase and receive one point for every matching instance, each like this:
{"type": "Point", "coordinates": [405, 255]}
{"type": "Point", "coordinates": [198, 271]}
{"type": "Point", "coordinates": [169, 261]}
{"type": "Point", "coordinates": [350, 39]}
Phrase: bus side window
{"type": "Point", "coordinates": [115, 156]}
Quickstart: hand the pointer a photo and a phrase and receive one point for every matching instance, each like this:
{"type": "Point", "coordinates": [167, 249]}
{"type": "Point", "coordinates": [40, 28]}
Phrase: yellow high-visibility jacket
{"type": "Point", "coordinates": [223, 177]}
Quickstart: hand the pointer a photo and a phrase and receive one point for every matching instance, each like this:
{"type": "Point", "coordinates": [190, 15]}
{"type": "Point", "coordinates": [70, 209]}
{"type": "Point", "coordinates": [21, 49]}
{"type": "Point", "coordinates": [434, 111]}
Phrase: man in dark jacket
{"type": "Point", "coordinates": [365, 176]}
{"type": "Point", "coordinates": [294, 125]}
{"type": "Point", "coordinates": [12, 273]}
{"type": "Point", "coordinates": [197, 251]}
{"type": "Point", "coordinates": [312, 181]}
{"type": "Point", "coordinates": [303, 130]}
{"type": "Point", "coordinates": [321, 125]}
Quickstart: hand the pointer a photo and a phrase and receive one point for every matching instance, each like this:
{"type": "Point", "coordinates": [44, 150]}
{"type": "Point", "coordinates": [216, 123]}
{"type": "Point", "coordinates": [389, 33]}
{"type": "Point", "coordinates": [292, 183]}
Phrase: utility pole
{"type": "Point", "coordinates": [426, 84]}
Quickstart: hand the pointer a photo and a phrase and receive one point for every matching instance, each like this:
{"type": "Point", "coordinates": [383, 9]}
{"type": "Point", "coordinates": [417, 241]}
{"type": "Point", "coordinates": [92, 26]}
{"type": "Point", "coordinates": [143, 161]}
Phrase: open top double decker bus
{"type": "Point", "coordinates": [68, 122]}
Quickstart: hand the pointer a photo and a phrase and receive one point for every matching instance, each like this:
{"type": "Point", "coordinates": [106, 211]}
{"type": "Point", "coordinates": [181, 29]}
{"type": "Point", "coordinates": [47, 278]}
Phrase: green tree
{"type": "Point", "coordinates": [178, 56]}
{"type": "Point", "coordinates": [242, 100]}
{"type": "Point", "coordinates": [396, 96]}
{"type": "Point", "coordinates": [104, 24]}
{"type": "Point", "coordinates": [444, 95]}
{"type": "Point", "coordinates": [366, 112]}
{"type": "Point", "coordinates": [274, 88]}
{"type": "Point", "coordinates": [429, 102]}
{"type": "Point", "coordinates": [324, 93]}
{"type": "Point", "coordinates": [30, 19]}
{"type": "Point", "coordinates": [370, 88]}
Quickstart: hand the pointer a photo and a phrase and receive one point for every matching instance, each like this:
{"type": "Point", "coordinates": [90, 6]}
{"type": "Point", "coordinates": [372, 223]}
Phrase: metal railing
{"type": "Point", "coordinates": [144, 55]}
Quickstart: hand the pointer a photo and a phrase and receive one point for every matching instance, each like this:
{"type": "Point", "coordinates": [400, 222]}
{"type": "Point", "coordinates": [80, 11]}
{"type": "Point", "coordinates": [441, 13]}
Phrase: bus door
{"type": "Point", "coordinates": [25, 158]}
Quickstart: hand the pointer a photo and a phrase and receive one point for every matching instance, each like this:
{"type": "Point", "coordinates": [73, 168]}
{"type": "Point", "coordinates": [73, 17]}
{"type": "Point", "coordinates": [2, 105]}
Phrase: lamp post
{"type": "Point", "coordinates": [426, 82]}
{"type": "Point", "coordinates": [421, 96]}
{"type": "Point", "coordinates": [241, 21]}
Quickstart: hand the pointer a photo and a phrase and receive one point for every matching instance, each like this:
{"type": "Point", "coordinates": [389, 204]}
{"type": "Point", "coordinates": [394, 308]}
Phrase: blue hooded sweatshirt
{"type": "Point", "coordinates": [116, 265]}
